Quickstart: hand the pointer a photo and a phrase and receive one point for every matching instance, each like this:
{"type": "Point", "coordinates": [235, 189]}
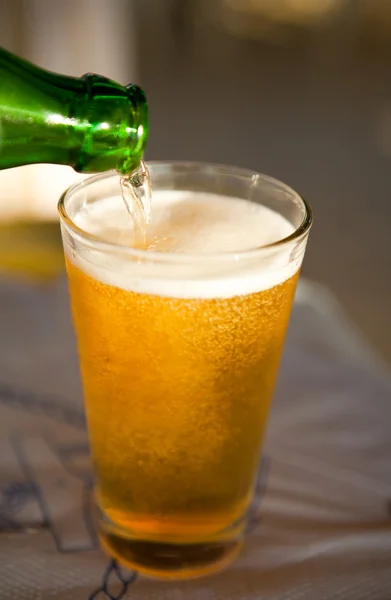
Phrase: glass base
{"type": "Point", "coordinates": [170, 560]}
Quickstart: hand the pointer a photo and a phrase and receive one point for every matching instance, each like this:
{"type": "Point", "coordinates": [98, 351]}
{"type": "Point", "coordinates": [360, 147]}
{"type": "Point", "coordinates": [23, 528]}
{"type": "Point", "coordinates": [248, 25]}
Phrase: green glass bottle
{"type": "Point", "coordinates": [90, 123]}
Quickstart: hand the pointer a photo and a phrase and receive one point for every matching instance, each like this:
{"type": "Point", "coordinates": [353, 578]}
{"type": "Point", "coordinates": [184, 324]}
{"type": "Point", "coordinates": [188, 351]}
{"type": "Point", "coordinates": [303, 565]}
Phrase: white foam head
{"type": "Point", "coordinates": [195, 224]}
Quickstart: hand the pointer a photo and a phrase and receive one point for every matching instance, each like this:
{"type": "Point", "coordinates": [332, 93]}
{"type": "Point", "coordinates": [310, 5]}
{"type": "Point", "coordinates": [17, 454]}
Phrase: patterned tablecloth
{"type": "Point", "coordinates": [324, 527]}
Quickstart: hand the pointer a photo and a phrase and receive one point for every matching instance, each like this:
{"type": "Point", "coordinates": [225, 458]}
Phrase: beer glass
{"type": "Point", "coordinates": [179, 353]}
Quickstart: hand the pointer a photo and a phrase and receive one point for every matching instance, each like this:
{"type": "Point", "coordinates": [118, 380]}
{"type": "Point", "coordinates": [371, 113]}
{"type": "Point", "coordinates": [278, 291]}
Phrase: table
{"type": "Point", "coordinates": [323, 530]}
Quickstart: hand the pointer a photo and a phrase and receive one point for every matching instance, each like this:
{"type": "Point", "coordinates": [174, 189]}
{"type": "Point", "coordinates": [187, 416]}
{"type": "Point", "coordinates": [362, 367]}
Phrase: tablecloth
{"type": "Point", "coordinates": [323, 528]}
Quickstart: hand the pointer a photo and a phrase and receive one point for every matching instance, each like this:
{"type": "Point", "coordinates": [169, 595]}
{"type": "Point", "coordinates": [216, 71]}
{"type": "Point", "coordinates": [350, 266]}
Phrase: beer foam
{"type": "Point", "coordinates": [195, 224]}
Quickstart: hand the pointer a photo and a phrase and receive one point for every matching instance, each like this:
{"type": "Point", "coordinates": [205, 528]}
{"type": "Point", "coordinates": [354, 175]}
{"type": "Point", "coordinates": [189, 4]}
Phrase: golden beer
{"type": "Point", "coordinates": [177, 393]}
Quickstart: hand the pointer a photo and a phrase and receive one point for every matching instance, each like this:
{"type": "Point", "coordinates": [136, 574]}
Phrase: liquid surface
{"type": "Point", "coordinates": [184, 222]}
{"type": "Point", "coordinates": [188, 222]}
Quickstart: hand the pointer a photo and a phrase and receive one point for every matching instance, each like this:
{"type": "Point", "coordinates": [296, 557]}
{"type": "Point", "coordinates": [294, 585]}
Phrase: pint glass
{"type": "Point", "coordinates": [179, 351]}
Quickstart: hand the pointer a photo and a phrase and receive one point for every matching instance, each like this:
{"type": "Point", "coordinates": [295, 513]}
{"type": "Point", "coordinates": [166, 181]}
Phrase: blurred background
{"type": "Point", "coordinates": [297, 89]}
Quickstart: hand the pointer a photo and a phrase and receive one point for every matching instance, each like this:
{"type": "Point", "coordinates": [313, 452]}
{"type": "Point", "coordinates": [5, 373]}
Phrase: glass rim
{"type": "Point", "coordinates": [299, 233]}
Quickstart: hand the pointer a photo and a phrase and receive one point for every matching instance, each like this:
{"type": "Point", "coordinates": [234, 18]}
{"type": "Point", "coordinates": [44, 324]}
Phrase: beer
{"type": "Point", "coordinates": [178, 365]}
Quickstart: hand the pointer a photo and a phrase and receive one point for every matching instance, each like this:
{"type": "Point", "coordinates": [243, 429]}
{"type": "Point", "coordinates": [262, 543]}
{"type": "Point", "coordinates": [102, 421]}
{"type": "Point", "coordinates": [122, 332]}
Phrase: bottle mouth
{"type": "Point", "coordinates": [137, 130]}
{"type": "Point", "coordinates": [113, 124]}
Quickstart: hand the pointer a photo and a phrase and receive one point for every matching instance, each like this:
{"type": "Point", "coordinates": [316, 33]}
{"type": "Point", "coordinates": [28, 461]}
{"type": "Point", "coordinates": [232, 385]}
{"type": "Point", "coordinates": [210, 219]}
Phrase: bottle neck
{"type": "Point", "coordinates": [91, 123]}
